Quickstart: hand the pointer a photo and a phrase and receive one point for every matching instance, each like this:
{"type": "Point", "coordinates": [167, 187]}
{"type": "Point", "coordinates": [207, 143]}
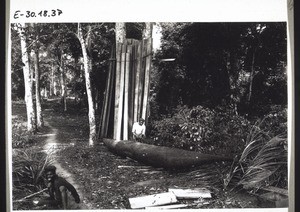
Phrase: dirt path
{"type": "Point", "coordinates": [53, 146]}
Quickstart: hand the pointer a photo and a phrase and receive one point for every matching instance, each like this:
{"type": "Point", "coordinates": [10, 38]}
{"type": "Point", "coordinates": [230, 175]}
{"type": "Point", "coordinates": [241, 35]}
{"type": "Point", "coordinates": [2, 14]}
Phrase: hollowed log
{"type": "Point", "coordinates": [159, 156]}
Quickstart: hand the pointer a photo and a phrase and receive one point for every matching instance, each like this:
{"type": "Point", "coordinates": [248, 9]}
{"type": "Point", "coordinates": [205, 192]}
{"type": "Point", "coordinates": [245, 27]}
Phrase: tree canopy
{"type": "Point", "coordinates": [222, 65]}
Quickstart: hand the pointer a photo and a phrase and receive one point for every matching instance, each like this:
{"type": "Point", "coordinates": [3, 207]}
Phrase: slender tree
{"type": "Point", "coordinates": [31, 121]}
{"type": "Point", "coordinates": [256, 31]}
{"type": "Point", "coordinates": [62, 82]}
{"type": "Point", "coordinates": [39, 115]}
{"type": "Point", "coordinates": [87, 64]}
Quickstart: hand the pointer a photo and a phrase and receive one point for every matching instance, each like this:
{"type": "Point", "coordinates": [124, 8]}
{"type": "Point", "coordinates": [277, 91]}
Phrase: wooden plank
{"type": "Point", "coordinates": [142, 77]}
{"type": "Point", "coordinates": [133, 83]}
{"type": "Point", "coordinates": [121, 98]}
{"type": "Point", "coordinates": [109, 108]}
{"type": "Point", "coordinates": [126, 96]}
{"type": "Point", "coordinates": [147, 79]}
{"type": "Point", "coordinates": [137, 82]}
{"type": "Point", "coordinates": [174, 206]}
{"type": "Point", "coordinates": [130, 49]}
{"type": "Point", "coordinates": [152, 200]}
{"type": "Point", "coordinates": [190, 193]}
{"type": "Point", "coordinates": [104, 107]}
{"type": "Point", "coordinates": [136, 167]}
{"type": "Point", "coordinates": [107, 97]}
{"type": "Point", "coordinates": [117, 87]}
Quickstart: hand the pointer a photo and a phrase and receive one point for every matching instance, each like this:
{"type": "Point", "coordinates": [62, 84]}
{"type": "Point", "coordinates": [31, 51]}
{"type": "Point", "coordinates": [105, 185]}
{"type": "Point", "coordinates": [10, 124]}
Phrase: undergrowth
{"type": "Point", "coordinates": [259, 149]}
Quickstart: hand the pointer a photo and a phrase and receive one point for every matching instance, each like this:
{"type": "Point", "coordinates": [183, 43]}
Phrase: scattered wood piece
{"type": "Point", "coordinates": [31, 195]}
{"type": "Point", "coordinates": [152, 200]}
{"type": "Point", "coordinates": [136, 167]}
{"type": "Point", "coordinates": [175, 206]}
{"type": "Point", "coordinates": [190, 193]}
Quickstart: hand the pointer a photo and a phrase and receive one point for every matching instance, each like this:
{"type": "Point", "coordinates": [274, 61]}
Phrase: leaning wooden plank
{"type": "Point", "coordinates": [147, 78]}
{"type": "Point", "coordinates": [120, 110]}
{"type": "Point", "coordinates": [159, 156]}
{"type": "Point", "coordinates": [142, 76]}
{"type": "Point", "coordinates": [152, 200]}
{"type": "Point", "coordinates": [117, 87]}
{"type": "Point", "coordinates": [107, 97]}
{"type": "Point", "coordinates": [110, 101]}
{"type": "Point", "coordinates": [137, 93]}
{"type": "Point", "coordinates": [174, 206]}
{"type": "Point", "coordinates": [105, 104]}
{"type": "Point", "coordinates": [130, 50]}
{"type": "Point", "coordinates": [190, 193]}
{"type": "Point", "coordinates": [126, 97]}
{"type": "Point", "coordinates": [136, 81]}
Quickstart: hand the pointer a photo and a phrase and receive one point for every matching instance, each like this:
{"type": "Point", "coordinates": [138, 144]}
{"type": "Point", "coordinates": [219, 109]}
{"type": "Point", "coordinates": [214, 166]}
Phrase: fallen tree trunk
{"type": "Point", "coordinates": [159, 156]}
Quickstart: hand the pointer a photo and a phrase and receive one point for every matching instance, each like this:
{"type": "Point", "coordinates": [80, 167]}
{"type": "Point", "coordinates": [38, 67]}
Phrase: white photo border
{"type": "Point", "coordinates": [159, 11]}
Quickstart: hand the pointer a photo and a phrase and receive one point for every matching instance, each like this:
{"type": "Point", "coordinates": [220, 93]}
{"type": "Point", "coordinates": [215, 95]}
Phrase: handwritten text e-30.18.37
{"type": "Point", "coordinates": [42, 13]}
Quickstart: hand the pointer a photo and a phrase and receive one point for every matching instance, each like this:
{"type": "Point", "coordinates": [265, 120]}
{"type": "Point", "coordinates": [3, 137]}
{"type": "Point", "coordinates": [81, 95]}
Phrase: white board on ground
{"type": "Point", "coordinates": [152, 200]}
{"type": "Point", "coordinates": [175, 206]}
{"type": "Point", "coordinates": [190, 193]}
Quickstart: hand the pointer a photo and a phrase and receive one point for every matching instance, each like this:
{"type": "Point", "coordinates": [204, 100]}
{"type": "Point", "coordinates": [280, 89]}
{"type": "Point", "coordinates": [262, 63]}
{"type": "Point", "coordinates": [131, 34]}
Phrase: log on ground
{"type": "Point", "coordinates": [159, 156]}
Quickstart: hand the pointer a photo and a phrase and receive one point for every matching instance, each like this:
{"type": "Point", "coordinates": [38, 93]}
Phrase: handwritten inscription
{"type": "Point", "coordinates": [41, 13]}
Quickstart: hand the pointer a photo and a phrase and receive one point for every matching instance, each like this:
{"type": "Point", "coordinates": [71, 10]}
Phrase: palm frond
{"type": "Point", "coordinates": [267, 161]}
{"type": "Point", "coordinates": [28, 166]}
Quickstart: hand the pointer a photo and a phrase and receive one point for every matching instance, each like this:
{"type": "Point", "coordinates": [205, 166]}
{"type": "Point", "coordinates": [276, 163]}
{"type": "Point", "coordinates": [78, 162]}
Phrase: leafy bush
{"type": "Point", "coordinates": [275, 123]}
{"type": "Point", "coordinates": [202, 129]}
{"type": "Point", "coordinates": [20, 136]}
{"type": "Point", "coordinates": [229, 133]}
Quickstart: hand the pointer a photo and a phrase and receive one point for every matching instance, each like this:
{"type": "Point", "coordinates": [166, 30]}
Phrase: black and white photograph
{"type": "Point", "coordinates": [146, 115]}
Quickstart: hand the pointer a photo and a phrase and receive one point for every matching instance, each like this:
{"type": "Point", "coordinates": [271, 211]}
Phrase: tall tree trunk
{"type": "Point", "coordinates": [31, 123]}
{"type": "Point", "coordinates": [39, 115]}
{"type": "Point", "coordinates": [87, 63]}
{"type": "Point", "coordinates": [51, 91]}
{"type": "Point", "coordinates": [62, 83]}
{"type": "Point", "coordinates": [120, 32]}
